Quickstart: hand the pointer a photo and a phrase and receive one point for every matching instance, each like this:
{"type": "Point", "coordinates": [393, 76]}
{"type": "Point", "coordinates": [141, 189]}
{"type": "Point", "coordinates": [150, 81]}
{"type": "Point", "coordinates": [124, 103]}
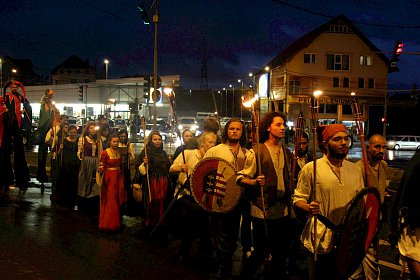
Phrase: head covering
{"type": "Point", "coordinates": [332, 129]}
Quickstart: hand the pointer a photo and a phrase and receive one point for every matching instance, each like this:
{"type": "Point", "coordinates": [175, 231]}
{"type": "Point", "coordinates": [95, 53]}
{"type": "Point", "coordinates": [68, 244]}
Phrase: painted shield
{"type": "Point", "coordinates": [213, 185]}
{"type": "Point", "coordinates": [358, 229]}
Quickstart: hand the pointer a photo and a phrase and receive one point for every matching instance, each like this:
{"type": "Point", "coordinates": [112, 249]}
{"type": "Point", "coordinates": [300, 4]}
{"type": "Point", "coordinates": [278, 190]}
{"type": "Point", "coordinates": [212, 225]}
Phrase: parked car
{"type": "Point", "coordinates": [163, 130]}
{"type": "Point", "coordinates": [403, 142]}
{"type": "Point", "coordinates": [188, 123]}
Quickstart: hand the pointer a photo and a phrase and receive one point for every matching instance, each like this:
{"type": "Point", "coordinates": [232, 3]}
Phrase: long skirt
{"type": "Point", "coordinates": [113, 196]}
{"type": "Point", "coordinates": [156, 204]}
{"type": "Point", "coordinates": [87, 186]}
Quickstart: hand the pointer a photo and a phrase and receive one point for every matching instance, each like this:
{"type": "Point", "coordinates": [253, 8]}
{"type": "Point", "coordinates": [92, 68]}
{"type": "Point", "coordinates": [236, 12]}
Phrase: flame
{"type": "Point", "coordinates": [248, 103]}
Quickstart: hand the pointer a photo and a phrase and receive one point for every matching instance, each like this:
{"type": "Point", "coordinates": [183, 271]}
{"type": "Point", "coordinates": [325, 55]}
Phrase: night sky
{"type": "Point", "coordinates": [239, 36]}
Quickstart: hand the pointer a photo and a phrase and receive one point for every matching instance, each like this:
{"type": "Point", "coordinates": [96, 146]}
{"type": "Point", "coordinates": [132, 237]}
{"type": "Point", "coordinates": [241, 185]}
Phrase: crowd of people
{"type": "Point", "coordinates": [274, 217]}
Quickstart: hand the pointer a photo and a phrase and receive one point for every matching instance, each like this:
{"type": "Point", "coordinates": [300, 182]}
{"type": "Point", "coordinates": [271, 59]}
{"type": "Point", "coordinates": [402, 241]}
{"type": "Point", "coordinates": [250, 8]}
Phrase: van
{"type": "Point", "coordinates": [187, 123]}
{"type": "Point", "coordinates": [403, 142]}
{"type": "Point", "coordinates": [203, 115]}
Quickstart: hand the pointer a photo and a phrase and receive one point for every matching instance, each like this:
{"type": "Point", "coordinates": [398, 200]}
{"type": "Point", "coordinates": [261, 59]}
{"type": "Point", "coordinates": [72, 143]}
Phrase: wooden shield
{"type": "Point", "coordinates": [358, 229]}
{"type": "Point", "coordinates": [213, 185]}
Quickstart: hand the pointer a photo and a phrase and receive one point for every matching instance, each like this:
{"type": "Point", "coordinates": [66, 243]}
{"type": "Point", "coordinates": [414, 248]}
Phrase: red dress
{"type": "Point", "coordinates": [113, 195]}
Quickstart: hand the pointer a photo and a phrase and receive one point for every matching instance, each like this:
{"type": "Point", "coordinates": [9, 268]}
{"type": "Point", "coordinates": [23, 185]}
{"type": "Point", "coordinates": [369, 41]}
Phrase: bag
{"type": "Point", "coordinates": [99, 178]}
{"type": "Point", "coordinates": [137, 192]}
{"type": "Point", "coordinates": [137, 187]}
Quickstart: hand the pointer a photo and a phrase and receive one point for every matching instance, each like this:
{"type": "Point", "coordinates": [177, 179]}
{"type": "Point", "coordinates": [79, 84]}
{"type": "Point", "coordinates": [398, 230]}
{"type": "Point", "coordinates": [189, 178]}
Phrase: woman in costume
{"type": "Point", "coordinates": [69, 169]}
{"type": "Point", "coordinates": [127, 153]}
{"type": "Point", "coordinates": [113, 195]}
{"type": "Point", "coordinates": [89, 150]}
{"type": "Point", "coordinates": [154, 164]}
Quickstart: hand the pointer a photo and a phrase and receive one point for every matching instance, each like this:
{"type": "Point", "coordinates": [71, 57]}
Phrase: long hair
{"type": "Point", "coordinates": [88, 124]}
{"type": "Point", "coordinates": [242, 141]}
{"type": "Point", "coordinates": [121, 132]}
{"type": "Point", "coordinates": [265, 123]}
{"type": "Point", "coordinates": [149, 139]}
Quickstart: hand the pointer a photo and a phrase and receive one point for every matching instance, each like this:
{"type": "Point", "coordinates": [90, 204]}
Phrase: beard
{"type": "Point", "coordinates": [233, 140]}
{"type": "Point", "coordinates": [338, 155]}
{"type": "Point", "coordinates": [302, 153]}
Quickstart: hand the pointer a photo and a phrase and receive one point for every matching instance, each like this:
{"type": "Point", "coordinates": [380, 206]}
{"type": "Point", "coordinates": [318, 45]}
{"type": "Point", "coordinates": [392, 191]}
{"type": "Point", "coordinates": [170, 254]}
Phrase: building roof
{"type": "Point", "coordinates": [307, 39]}
{"type": "Point", "coordinates": [73, 62]}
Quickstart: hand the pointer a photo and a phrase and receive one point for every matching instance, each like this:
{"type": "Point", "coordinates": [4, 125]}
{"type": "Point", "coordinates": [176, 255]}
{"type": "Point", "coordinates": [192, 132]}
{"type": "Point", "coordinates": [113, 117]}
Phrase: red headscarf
{"type": "Point", "coordinates": [332, 129]}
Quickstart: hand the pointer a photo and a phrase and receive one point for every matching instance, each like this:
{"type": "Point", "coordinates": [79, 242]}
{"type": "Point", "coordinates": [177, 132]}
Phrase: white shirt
{"type": "Point", "coordinates": [334, 192]}
{"type": "Point", "coordinates": [192, 157]}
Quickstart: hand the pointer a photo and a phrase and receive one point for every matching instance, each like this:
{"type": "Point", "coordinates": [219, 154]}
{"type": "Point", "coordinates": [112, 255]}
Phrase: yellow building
{"type": "Point", "coordinates": [335, 58]}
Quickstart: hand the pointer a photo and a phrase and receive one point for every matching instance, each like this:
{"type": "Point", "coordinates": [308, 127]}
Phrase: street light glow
{"type": "Point", "coordinates": [317, 93]}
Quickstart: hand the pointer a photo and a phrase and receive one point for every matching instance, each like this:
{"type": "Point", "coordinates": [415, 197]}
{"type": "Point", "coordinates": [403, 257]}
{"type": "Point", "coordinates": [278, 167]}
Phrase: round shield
{"type": "Point", "coordinates": [213, 185]}
{"type": "Point", "coordinates": [358, 229]}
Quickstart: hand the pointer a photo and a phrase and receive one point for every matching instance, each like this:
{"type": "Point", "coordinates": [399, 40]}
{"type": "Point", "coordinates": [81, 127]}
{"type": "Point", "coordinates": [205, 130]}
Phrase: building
{"type": "Point", "coordinates": [73, 70]}
{"type": "Point", "coordinates": [20, 69]}
{"type": "Point", "coordinates": [115, 97]}
{"type": "Point", "coordinates": [335, 58]}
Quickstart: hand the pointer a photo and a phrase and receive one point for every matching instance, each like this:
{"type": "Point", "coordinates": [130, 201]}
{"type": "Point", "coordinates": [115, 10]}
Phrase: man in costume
{"type": "Point", "coordinates": [405, 219]}
{"type": "Point", "coordinates": [378, 169]}
{"type": "Point", "coordinates": [225, 226]}
{"type": "Point", "coordinates": [338, 182]}
{"type": "Point", "coordinates": [14, 101]}
{"type": "Point", "coordinates": [270, 199]}
{"type": "Point", "coordinates": [47, 112]}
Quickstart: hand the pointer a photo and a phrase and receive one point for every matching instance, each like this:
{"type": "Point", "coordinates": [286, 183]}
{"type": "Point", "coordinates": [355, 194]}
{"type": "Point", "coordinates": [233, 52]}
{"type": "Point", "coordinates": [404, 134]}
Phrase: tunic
{"type": "Point", "coordinates": [334, 191]}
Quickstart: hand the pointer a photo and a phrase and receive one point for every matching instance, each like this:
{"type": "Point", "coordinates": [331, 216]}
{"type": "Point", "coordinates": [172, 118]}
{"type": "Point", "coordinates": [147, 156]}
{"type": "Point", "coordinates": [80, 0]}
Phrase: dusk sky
{"type": "Point", "coordinates": [240, 36]}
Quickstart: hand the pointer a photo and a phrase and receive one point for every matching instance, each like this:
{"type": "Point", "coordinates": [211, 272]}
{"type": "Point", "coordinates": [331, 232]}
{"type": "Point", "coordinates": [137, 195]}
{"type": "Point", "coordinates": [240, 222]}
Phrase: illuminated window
{"type": "Point", "coordinates": [366, 60]}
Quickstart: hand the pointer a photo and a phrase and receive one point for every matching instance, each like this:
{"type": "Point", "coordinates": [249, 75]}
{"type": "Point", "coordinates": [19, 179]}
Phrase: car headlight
{"type": "Point", "coordinates": [180, 127]}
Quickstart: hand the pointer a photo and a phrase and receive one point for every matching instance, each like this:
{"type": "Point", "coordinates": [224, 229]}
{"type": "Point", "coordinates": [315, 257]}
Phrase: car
{"type": "Point", "coordinates": [119, 124]}
{"type": "Point", "coordinates": [188, 123]}
{"type": "Point", "coordinates": [163, 130]}
{"type": "Point", "coordinates": [223, 121]}
{"type": "Point", "coordinates": [403, 142]}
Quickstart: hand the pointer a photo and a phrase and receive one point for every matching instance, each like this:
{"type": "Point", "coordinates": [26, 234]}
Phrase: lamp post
{"type": "Point", "coordinates": [225, 89]}
{"type": "Point", "coordinates": [106, 61]}
{"type": "Point", "coordinates": [14, 71]}
{"type": "Point", "coordinates": [242, 93]}
{"type": "Point", "coordinates": [221, 100]}
{"type": "Point", "coordinates": [233, 98]}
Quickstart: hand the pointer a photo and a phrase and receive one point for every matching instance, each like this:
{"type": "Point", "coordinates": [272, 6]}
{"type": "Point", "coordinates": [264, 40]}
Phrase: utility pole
{"type": "Point", "coordinates": [155, 61]}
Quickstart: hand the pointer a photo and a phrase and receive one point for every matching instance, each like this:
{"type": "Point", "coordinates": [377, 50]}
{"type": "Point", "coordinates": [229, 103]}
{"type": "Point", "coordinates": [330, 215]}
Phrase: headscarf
{"type": "Point", "coordinates": [332, 129]}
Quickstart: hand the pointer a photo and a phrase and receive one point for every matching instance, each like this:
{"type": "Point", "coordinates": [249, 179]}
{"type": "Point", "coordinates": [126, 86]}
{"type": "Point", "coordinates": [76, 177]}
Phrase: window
{"type": "Point", "coordinates": [361, 83]}
{"type": "Point", "coordinates": [73, 81]}
{"type": "Point", "coordinates": [347, 110]}
{"type": "Point", "coordinates": [346, 82]}
{"type": "Point", "coordinates": [336, 82]}
{"type": "Point", "coordinates": [338, 62]}
{"type": "Point", "coordinates": [371, 83]}
{"type": "Point", "coordinates": [294, 87]}
{"type": "Point", "coordinates": [365, 60]}
{"type": "Point", "coordinates": [309, 58]}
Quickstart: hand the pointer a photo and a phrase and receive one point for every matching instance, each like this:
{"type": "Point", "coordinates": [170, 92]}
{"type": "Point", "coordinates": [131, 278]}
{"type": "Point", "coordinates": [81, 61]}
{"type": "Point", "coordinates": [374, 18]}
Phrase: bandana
{"type": "Point", "coordinates": [332, 129]}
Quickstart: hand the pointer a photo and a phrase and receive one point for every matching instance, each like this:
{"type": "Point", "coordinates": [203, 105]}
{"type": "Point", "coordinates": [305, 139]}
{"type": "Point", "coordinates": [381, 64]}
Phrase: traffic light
{"type": "Point", "coordinates": [383, 120]}
{"type": "Point", "coordinates": [81, 93]}
{"type": "Point", "coordinates": [146, 87]}
{"type": "Point", "coordinates": [398, 49]}
{"type": "Point", "coordinates": [141, 6]}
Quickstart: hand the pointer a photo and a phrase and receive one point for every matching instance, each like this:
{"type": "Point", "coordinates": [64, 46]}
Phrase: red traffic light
{"type": "Point", "coordinates": [383, 120]}
{"type": "Point", "coordinates": [399, 49]}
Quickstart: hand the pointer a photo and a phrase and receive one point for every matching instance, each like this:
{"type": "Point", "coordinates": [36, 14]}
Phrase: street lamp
{"type": "Point", "coordinates": [221, 101]}
{"type": "Point", "coordinates": [233, 98]}
{"type": "Point", "coordinates": [106, 61]}
{"type": "Point", "coordinates": [225, 89]}
{"type": "Point", "coordinates": [242, 92]}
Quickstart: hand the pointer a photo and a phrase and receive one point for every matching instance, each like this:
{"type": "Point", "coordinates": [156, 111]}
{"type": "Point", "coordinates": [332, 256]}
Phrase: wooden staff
{"type": "Point", "coordinates": [298, 135]}
{"type": "Point", "coordinates": [256, 120]}
{"type": "Point", "coordinates": [314, 114]}
{"type": "Point", "coordinates": [355, 107]}
{"type": "Point", "coordinates": [143, 125]}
